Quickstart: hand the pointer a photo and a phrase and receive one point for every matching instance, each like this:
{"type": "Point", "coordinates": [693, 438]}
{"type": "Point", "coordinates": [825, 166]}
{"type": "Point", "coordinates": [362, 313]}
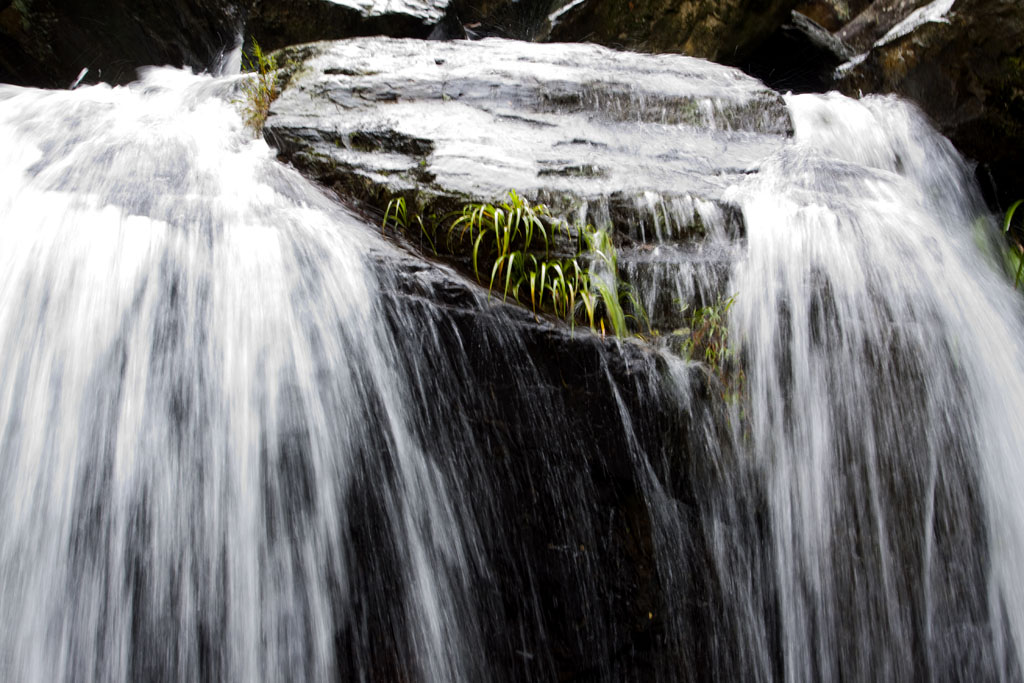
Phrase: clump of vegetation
{"type": "Point", "coordinates": [397, 216]}
{"type": "Point", "coordinates": [707, 339]}
{"type": "Point", "coordinates": [1015, 254]}
{"type": "Point", "coordinates": [514, 250]}
{"type": "Point", "coordinates": [259, 91]}
{"type": "Point", "coordinates": [520, 251]}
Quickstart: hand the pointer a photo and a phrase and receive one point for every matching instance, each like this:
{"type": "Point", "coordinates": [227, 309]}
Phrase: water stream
{"type": "Point", "coordinates": [235, 445]}
{"type": "Point", "coordinates": [197, 383]}
{"type": "Point", "coordinates": [882, 351]}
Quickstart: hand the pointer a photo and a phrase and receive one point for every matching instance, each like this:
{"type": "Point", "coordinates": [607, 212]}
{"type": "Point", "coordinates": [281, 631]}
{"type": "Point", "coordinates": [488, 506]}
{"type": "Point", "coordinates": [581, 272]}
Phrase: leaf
{"type": "Point", "coordinates": [543, 280]}
{"type": "Point", "coordinates": [511, 266]}
{"type": "Point", "coordinates": [427, 234]}
{"type": "Point", "coordinates": [476, 249]}
{"type": "Point", "coordinates": [1009, 214]}
{"type": "Point", "coordinates": [494, 272]}
{"type": "Point", "coordinates": [589, 304]}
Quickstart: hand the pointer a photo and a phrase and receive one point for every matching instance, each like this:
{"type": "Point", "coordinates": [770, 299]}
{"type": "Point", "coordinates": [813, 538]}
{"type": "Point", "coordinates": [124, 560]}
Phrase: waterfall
{"type": "Point", "coordinates": [883, 355]}
{"type": "Point", "coordinates": [198, 391]}
{"type": "Point", "coordinates": [243, 437]}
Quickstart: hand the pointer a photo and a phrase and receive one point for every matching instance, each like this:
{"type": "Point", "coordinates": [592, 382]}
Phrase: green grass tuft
{"type": "Point", "coordinates": [260, 90]}
{"type": "Point", "coordinates": [707, 340]}
{"type": "Point", "coordinates": [513, 247]}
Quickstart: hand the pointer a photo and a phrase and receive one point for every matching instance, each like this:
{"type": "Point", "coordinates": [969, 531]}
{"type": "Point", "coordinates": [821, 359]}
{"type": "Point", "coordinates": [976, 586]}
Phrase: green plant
{"type": "Point", "coordinates": [517, 239]}
{"type": "Point", "coordinates": [612, 292]}
{"type": "Point", "coordinates": [502, 229]}
{"type": "Point", "coordinates": [511, 245]}
{"type": "Point", "coordinates": [260, 90]}
{"type": "Point", "coordinates": [397, 215]}
{"type": "Point", "coordinates": [707, 339]}
{"type": "Point", "coordinates": [1015, 254]}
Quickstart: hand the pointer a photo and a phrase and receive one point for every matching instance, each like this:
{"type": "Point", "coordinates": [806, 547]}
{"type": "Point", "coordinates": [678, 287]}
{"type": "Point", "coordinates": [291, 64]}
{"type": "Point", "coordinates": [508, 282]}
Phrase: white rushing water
{"type": "Point", "coordinates": [883, 353]}
{"type": "Point", "coordinates": [225, 454]}
{"type": "Point", "coordinates": [194, 382]}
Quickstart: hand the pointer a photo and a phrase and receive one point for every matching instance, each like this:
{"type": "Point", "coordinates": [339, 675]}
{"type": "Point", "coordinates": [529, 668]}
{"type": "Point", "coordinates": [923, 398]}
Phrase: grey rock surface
{"type": "Point", "coordinates": [471, 120]}
{"type": "Point", "coordinates": [643, 144]}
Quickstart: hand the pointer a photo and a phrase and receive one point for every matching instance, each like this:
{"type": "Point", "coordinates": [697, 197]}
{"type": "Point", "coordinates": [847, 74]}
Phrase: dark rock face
{"type": "Point", "coordinates": [721, 30]}
{"type": "Point", "coordinates": [801, 57]}
{"type": "Point", "coordinates": [966, 70]}
{"type": "Point", "coordinates": [832, 14]}
{"type": "Point", "coordinates": [578, 458]}
{"type": "Point", "coordinates": [47, 43]}
{"type": "Point", "coordinates": [279, 23]}
{"type": "Point", "coordinates": [876, 20]}
{"type": "Point", "coordinates": [517, 19]}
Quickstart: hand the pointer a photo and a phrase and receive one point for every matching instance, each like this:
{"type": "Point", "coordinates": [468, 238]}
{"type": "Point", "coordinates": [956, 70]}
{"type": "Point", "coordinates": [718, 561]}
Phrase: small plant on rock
{"type": "Point", "coordinates": [517, 238]}
{"type": "Point", "coordinates": [707, 340]}
{"type": "Point", "coordinates": [512, 246]}
{"type": "Point", "coordinates": [502, 228]}
{"type": "Point", "coordinates": [614, 295]}
{"type": "Point", "coordinates": [260, 90]}
{"type": "Point", "coordinates": [397, 215]}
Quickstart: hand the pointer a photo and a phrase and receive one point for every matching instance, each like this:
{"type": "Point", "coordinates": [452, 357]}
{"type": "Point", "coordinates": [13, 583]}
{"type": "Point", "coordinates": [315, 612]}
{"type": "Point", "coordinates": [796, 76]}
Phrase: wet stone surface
{"type": "Point", "coordinates": [567, 123]}
{"type": "Point", "coordinates": [645, 145]}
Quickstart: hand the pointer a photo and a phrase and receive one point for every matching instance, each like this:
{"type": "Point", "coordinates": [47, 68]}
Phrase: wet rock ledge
{"type": "Point", "coordinates": [570, 124]}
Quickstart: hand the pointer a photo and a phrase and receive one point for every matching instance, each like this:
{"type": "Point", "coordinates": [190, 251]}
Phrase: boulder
{"type": "Point", "coordinates": [721, 30]}
{"type": "Point", "coordinates": [643, 144]}
{"type": "Point", "coordinates": [801, 56]}
{"type": "Point", "coordinates": [47, 43]}
{"type": "Point", "coordinates": [467, 121]}
{"type": "Point", "coordinates": [965, 68]}
{"type": "Point", "coordinates": [279, 23]}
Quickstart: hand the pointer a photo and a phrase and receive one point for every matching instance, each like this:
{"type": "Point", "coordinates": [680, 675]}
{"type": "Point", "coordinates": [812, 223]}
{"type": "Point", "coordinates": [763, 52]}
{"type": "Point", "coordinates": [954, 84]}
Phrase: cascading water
{"type": "Point", "coordinates": [197, 392]}
{"type": "Point", "coordinates": [243, 438]}
{"type": "Point", "coordinates": [883, 356]}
